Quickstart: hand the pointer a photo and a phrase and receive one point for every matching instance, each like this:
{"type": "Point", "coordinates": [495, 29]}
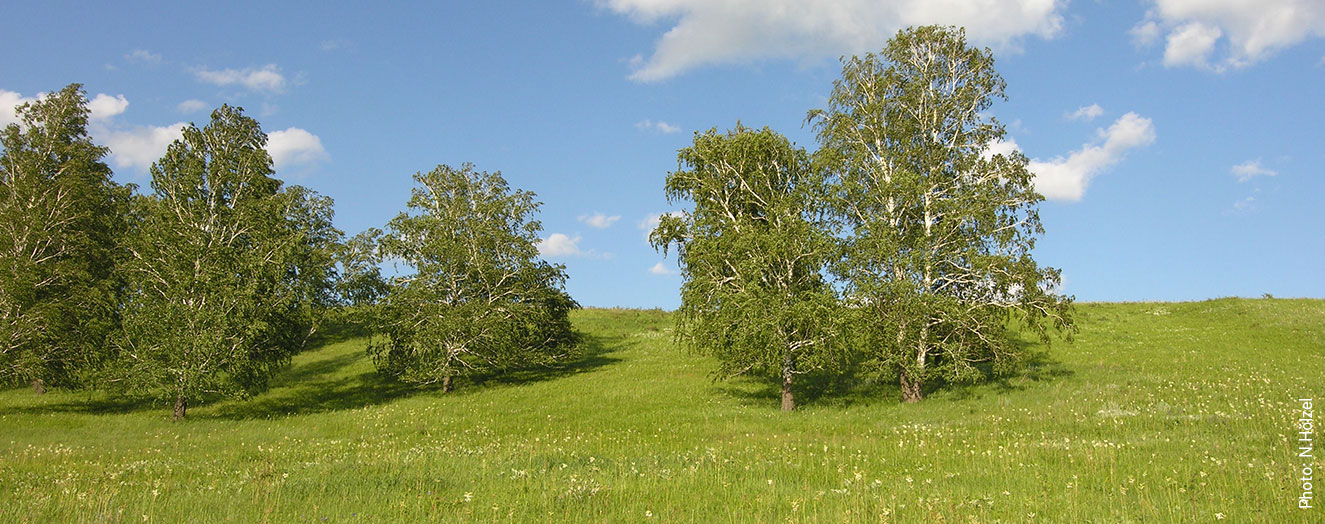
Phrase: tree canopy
{"type": "Point", "coordinates": [227, 267]}
{"type": "Point", "coordinates": [61, 218]}
{"type": "Point", "coordinates": [479, 299]}
{"type": "Point", "coordinates": [752, 253]}
{"type": "Point", "coordinates": [938, 256]}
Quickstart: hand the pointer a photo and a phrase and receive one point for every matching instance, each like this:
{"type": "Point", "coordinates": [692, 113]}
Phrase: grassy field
{"type": "Point", "coordinates": [1156, 413]}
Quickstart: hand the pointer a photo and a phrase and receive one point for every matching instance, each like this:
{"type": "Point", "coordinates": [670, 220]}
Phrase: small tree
{"type": "Point", "coordinates": [228, 271]}
{"type": "Point", "coordinates": [479, 299]}
{"type": "Point", "coordinates": [752, 254]}
{"type": "Point", "coordinates": [61, 217]}
{"type": "Point", "coordinates": [939, 256]}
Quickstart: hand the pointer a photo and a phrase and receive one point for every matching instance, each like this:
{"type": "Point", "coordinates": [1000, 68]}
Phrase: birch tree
{"type": "Point", "coordinates": [227, 270]}
{"type": "Point", "coordinates": [938, 256]}
{"type": "Point", "coordinates": [61, 217]}
{"type": "Point", "coordinates": [752, 254]}
{"type": "Point", "coordinates": [479, 299]}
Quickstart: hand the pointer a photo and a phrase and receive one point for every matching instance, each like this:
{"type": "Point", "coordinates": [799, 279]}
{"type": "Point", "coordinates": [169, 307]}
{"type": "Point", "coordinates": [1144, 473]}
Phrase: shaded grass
{"type": "Point", "coordinates": [1157, 413]}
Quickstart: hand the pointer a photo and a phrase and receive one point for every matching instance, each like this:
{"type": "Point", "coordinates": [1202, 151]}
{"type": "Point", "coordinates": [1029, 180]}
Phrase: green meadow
{"type": "Point", "coordinates": [1156, 412]}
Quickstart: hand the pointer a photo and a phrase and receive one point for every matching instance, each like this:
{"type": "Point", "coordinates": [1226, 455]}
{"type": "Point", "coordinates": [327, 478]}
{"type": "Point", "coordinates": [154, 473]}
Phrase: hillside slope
{"type": "Point", "coordinates": [1157, 412]}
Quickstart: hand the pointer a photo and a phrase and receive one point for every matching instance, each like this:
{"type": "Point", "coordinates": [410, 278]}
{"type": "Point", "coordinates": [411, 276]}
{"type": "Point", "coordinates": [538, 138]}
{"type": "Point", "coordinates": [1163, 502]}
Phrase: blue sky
{"type": "Point", "coordinates": [1180, 141]}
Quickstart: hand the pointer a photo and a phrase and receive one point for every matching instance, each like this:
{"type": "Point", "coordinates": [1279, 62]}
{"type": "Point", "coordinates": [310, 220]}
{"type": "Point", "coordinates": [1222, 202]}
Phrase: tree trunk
{"type": "Point", "coordinates": [181, 406]}
{"type": "Point", "coordinates": [446, 384]}
{"type": "Point", "coordinates": [788, 400]}
{"type": "Point", "coordinates": [39, 386]}
{"type": "Point", "coordinates": [911, 385]}
{"type": "Point", "coordinates": [910, 389]}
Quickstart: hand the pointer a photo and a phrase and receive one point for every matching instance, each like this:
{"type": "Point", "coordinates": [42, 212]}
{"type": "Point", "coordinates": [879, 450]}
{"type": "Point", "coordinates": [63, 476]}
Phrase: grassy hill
{"type": "Point", "coordinates": [1158, 412]}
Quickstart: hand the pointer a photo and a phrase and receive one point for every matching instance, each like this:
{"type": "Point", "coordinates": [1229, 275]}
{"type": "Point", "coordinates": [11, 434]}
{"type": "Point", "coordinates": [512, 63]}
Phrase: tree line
{"type": "Point", "coordinates": [901, 247]}
{"type": "Point", "coordinates": [213, 281]}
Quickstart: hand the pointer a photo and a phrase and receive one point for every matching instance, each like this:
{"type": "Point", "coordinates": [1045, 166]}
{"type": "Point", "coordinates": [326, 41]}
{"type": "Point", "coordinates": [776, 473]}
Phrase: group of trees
{"type": "Point", "coordinates": [902, 245]}
{"type": "Point", "coordinates": [212, 282]}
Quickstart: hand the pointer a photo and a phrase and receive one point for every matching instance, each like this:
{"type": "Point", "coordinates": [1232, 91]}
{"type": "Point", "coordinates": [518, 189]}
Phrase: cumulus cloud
{"type": "Point", "coordinates": [1086, 113]}
{"type": "Point", "coordinates": [598, 220]}
{"type": "Point", "coordinates": [559, 245]}
{"type": "Point", "coordinates": [1066, 178]}
{"type": "Point", "coordinates": [267, 79]}
{"type": "Point", "coordinates": [133, 147]}
{"type": "Point", "coordinates": [1242, 32]}
{"type": "Point", "coordinates": [191, 106]}
{"type": "Point", "coordinates": [659, 126]}
{"type": "Point", "coordinates": [9, 101]}
{"type": "Point", "coordinates": [142, 56]}
{"type": "Point", "coordinates": [1146, 33]}
{"type": "Point", "coordinates": [295, 148]}
{"type": "Point", "coordinates": [103, 106]}
{"type": "Point", "coordinates": [1191, 44]}
{"type": "Point", "coordinates": [100, 108]}
{"type": "Point", "coordinates": [709, 32]}
{"type": "Point", "coordinates": [1251, 169]}
{"type": "Point", "coordinates": [137, 147]}
{"type": "Point", "coordinates": [661, 269]}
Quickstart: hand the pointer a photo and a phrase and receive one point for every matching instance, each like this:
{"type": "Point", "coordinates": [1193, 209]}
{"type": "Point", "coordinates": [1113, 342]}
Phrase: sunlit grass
{"type": "Point", "coordinates": [1156, 413]}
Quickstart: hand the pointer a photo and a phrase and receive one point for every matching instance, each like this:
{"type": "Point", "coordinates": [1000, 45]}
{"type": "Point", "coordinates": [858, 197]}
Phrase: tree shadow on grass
{"type": "Point", "coordinates": [1037, 367]}
{"type": "Point", "coordinates": [323, 386]}
{"type": "Point", "coordinates": [839, 390]}
{"type": "Point", "coordinates": [855, 387]}
{"type": "Point", "coordinates": [591, 353]}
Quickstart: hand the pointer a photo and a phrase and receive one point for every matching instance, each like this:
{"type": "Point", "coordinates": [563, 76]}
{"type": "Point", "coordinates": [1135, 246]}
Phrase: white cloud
{"type": "Point", "coordinates": [650, 222]}
{"type": "Point", "coordinates": [9, 101]}
{"type": "Point", "coordinates": [1251, 30]}
{"type": "Point", "coordinates": [1066, 178]}
{"type": "Point", "coordinates": [659, 126]}
{"type": "Point", "coordinates": [1086, 113]}
{"type": "Point", "coordinates": [708, 32]}
{"type": "Point", "coordinates": [661, 269]}
{"type": "Point", "coordinates": [1000, 147]}
{"type": "Point", "coordinates": [1251, 169]}
{"type": "Point", "coordinates": [598, 220]}
{"type": "Point", "coordinates": [267, 79]}
{"type": "Point", "coordinates": [294, 147]}
{"type": "Point", "coordinates": [103, 106]}
{"type": "Point", "coordinates": [1191, 44]}
{"type": "Point", "coordinates": [191, 106]}
{"type": "Point", "coordinates": [1146, 33]}
{"type": "Point", "coordinates": [143, 56]}
{"type": "Point", "coordinates": [559, 245]}
{"type": "Point", "coordinates": [136, 148]}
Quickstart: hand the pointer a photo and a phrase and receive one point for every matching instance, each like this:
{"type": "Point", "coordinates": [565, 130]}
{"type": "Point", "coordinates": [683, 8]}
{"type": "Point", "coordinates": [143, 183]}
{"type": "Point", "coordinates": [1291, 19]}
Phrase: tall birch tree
{"type": "Point", "coordinates": [938, 256]}
{"type": "Point", "coordinates": [61, 218]}
{"type": "Point", "coordinates": [227, 271]}
{"type": "Point", "coordinates": [752, 253]}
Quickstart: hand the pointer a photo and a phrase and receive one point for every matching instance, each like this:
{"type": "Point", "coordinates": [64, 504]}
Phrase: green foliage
{"type": "Point", "coordinates": [229, 271]}
{"type": "Point", "coordinates": [359, 283]}
{"type": "Point", "coordinates": [61, 217]}
{"type": "Point", "coordinates": [939, 252]}
{"type": "Point", "coordinates": [479, 299]}
{"type": "Point", "coordinates": [752, 254]}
